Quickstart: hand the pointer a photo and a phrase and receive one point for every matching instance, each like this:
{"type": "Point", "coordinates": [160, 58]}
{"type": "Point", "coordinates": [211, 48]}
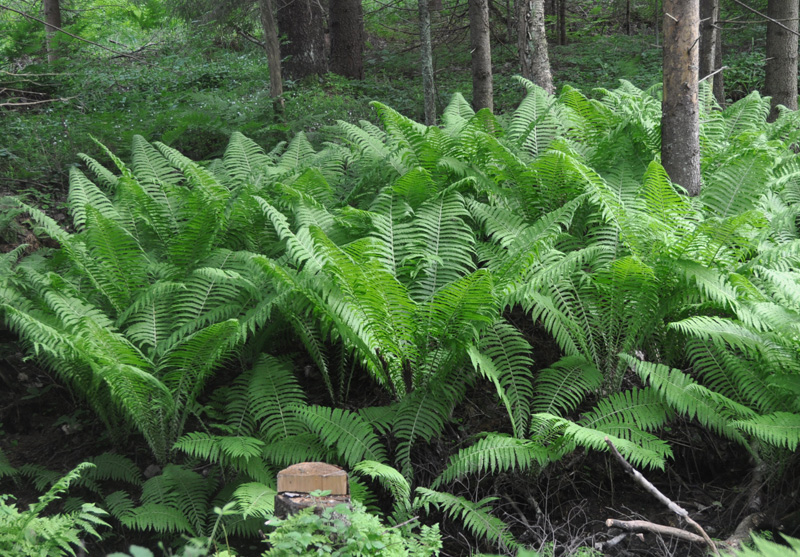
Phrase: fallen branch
{"type": "Point", "coordinates": [30, 103]}
{"type": "Point", "coordinates": [645, 526]}
{"type": "Point", "coordinates": [653, 490]}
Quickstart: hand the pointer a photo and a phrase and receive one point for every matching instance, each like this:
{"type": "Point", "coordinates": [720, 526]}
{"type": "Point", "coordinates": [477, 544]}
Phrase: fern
{"type": "Point", "coordinates": [475, 517]}
{"type": "Point", "coordinates": [351, 436]}
{"type": "Point", "coordinates": [781, 429]}
{"type": "Point", "coordinates": [494, 453]}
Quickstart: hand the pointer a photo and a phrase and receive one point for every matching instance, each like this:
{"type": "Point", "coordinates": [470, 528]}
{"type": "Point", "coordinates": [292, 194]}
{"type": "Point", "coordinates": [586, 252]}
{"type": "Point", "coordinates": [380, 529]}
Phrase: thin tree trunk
{"type": "Point", "coordinates": [562, 22]}
{"type": "Point", "coordinates": [656, 19]}
{"type": "Point", "coordinates": [680, 123]}
{"type": "Point", "coordinates": [628, 18]}
{"type": "Point", "coordinates": [532, 43]}
{"type": "Point", "coordinates": [710, 42]}
{"type": "Point", "coordinates": [719, 78]}
{"type": "Point", "coordinates": [302, 22]}
{"type": "Point", "coordinates": [426, 55]}
{"type": "Point", "coordinates": [781, 78]}
{"type": "Point", "coordinates": [347, 38]}
{"type": "Point", "coordinates": [52, 18]}
{"type": "Point", "coordinates": [482, 96]}
{"type": "Point", "coordinates": [273, 49]}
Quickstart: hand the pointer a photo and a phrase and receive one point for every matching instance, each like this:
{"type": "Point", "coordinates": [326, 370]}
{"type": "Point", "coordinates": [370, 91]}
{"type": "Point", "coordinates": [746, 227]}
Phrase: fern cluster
{"type": "Point", "coordinates": [398, 254]}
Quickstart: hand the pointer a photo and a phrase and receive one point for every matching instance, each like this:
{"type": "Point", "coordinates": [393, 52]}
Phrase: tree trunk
{"type": "Point", "coordinates": [426, 56]}
{"type": "Point", "coordinates": [532, 43]}
{"type": "Point", "coordinates": [273, 52]}
{"type": "Point", "coordinates": [562, 22]}
{"type": "Point", "coordinates": [302, 22]}
{"type": "Point", "coordinates": [628, 18]}
{"type": "Point", "coordinates": [656, 19]}
{"type": "Point", "coordinates": [481, 54]}
{"type": "Point", "coordinates": [710, 44]}
{"type": "Point", "coordinates": [680, 123]}
{"type": "Point", "coordinates": [781, 79]}
{"type": "Point", "coordinates": [52, 18]}
{"type": "Point", "coordinates": [347, 38]}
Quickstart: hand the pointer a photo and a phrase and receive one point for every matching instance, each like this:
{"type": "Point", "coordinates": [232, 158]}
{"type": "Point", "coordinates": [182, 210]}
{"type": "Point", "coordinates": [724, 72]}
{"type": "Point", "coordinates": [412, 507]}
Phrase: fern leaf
{"type": "Point", "coordinates": [475, 517]}
{"type": "Point", "coordinates": [255, 499]}
{"type": "Point", "coordinates": [561, 388]}
{"type": "Point", "coordinates": [494, 453]}
{"type": "Point", "coordinates": [346, 431]}
{"type": "Point", "coordinates": [781, 429]}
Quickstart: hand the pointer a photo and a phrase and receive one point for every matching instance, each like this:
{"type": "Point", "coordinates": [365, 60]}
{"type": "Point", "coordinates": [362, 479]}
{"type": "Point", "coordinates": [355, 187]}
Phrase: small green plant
{"type": "Point", "coordinates": [340, 531]}
{"type": "Point", "coordinates": [26, 533]}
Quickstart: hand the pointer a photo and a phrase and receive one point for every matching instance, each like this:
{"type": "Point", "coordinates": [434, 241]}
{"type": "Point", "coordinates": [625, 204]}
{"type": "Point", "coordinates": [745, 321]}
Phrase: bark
{"type": "Point", "coordinates": [781, 78]}
{"type": "Point", "coordinates": [710, 45]}
{"type": "Point", "coordinates": [482, 96]}
{"type": "Point", "coordinates": [302, 21]}
{"type": "Point", "coordinates": [628, 18]}
{"type": "Point", "coordinates": [52, 18]}
{"type": "Point", "coordinates": [272, 47]}
{"type": "Point", "coordinates": [532, 43]}
{"type": "Point", "coordinates": [426, 56]}
{"type": "Point", "coordinates": [680, 124]}
{"type": "Point", "coordinates": [562, 22]}
{"type": "Point", "coordinates": [347, 38]}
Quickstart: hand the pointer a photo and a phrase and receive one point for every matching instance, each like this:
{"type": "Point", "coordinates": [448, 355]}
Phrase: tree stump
{"type": "Point", "coordinates": [297, 482]}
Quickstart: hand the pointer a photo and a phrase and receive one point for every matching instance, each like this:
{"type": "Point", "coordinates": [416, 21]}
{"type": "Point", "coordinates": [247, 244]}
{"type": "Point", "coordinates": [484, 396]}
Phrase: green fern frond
{"type": "Point", "coordinates": [107, 178]}
{"type": "Point", "coordinates": [685, 396]}
{"type": "Point", "coordinates": [304, 447]}
{"type": "Point", "coordinates": [255, 499]}
{"type": "Point", "coordinates": [83, 192]}
{"type": "Point", "coordinates": [560, 388]}
{"type": "Point", "coordinates": [347, 432]}
{"type": "Point", "coordinates": [390, 479]}
{"type": "Point", "coordinates": [781, 429]}
{"type": "Point", "coordinates": [537, 120]}
{"type": "Point", "coordinates": [651, 453]}
{"type": "Point", "coordinates": [494, 453]}
{"type": "Point", "coordinates": [244, 158]}
{"type": "Point", "coordinates": [114, 467]}
{"type": "Point", "coordinates": [156, 517]}
{"type": "Point", "coordinates": [736, 186]}
{"type": "Point", "coordinates": [441, 246]}
{"type": "Point", "coordinates": [766, 548]}
{"type": "Point", "coordinates": [149, 166]}
{"type": "Point", "coordinates": [475, 517]}
{"type": "Point", "coordinates": [423, 414]}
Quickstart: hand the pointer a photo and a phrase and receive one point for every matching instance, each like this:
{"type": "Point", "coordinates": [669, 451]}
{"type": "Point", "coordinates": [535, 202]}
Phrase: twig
{"type": "Point", "coordinates": [653, 490]}
{"type": "Point", "coordinates": [645, 526]}
{"type": "Point", "coordinates": [410, 520]}
{"type": "Point", "coordinates": [37, 102]}
{"type": "Point", "coordinates": [775, 21]}
{"type": "Point", "coordinates": [712, 74]}
{"type": "Point", "coordinates": [60, 30]}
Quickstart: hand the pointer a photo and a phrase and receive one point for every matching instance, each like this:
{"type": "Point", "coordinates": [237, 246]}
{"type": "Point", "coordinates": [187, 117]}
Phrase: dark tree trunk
{"type": "Point", "coordinates": [532, 43]}
{"type": "Point", "coordinates": [482, 96]}
{"type": "Point", "coordinates": [710, 44]}
{"type": "Point", "coordinates": [347, 38]}
{"type": "Point", "coordinates": [781, 78]}
{"type": "Point", "coordinates": [628, 17]}
{"type": "Point", "coordinates": [52, 18]}
{"type": "Point", "coordinates": [426, 63]}
{"type": "Point", "coordinates": [302, 21]}
{"type": "Point", "coordinates": [680, 122]}
{"type": "Point", "coordinates": [562, 22]}
{"type": "Point", "coordinates": [272, 47]}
